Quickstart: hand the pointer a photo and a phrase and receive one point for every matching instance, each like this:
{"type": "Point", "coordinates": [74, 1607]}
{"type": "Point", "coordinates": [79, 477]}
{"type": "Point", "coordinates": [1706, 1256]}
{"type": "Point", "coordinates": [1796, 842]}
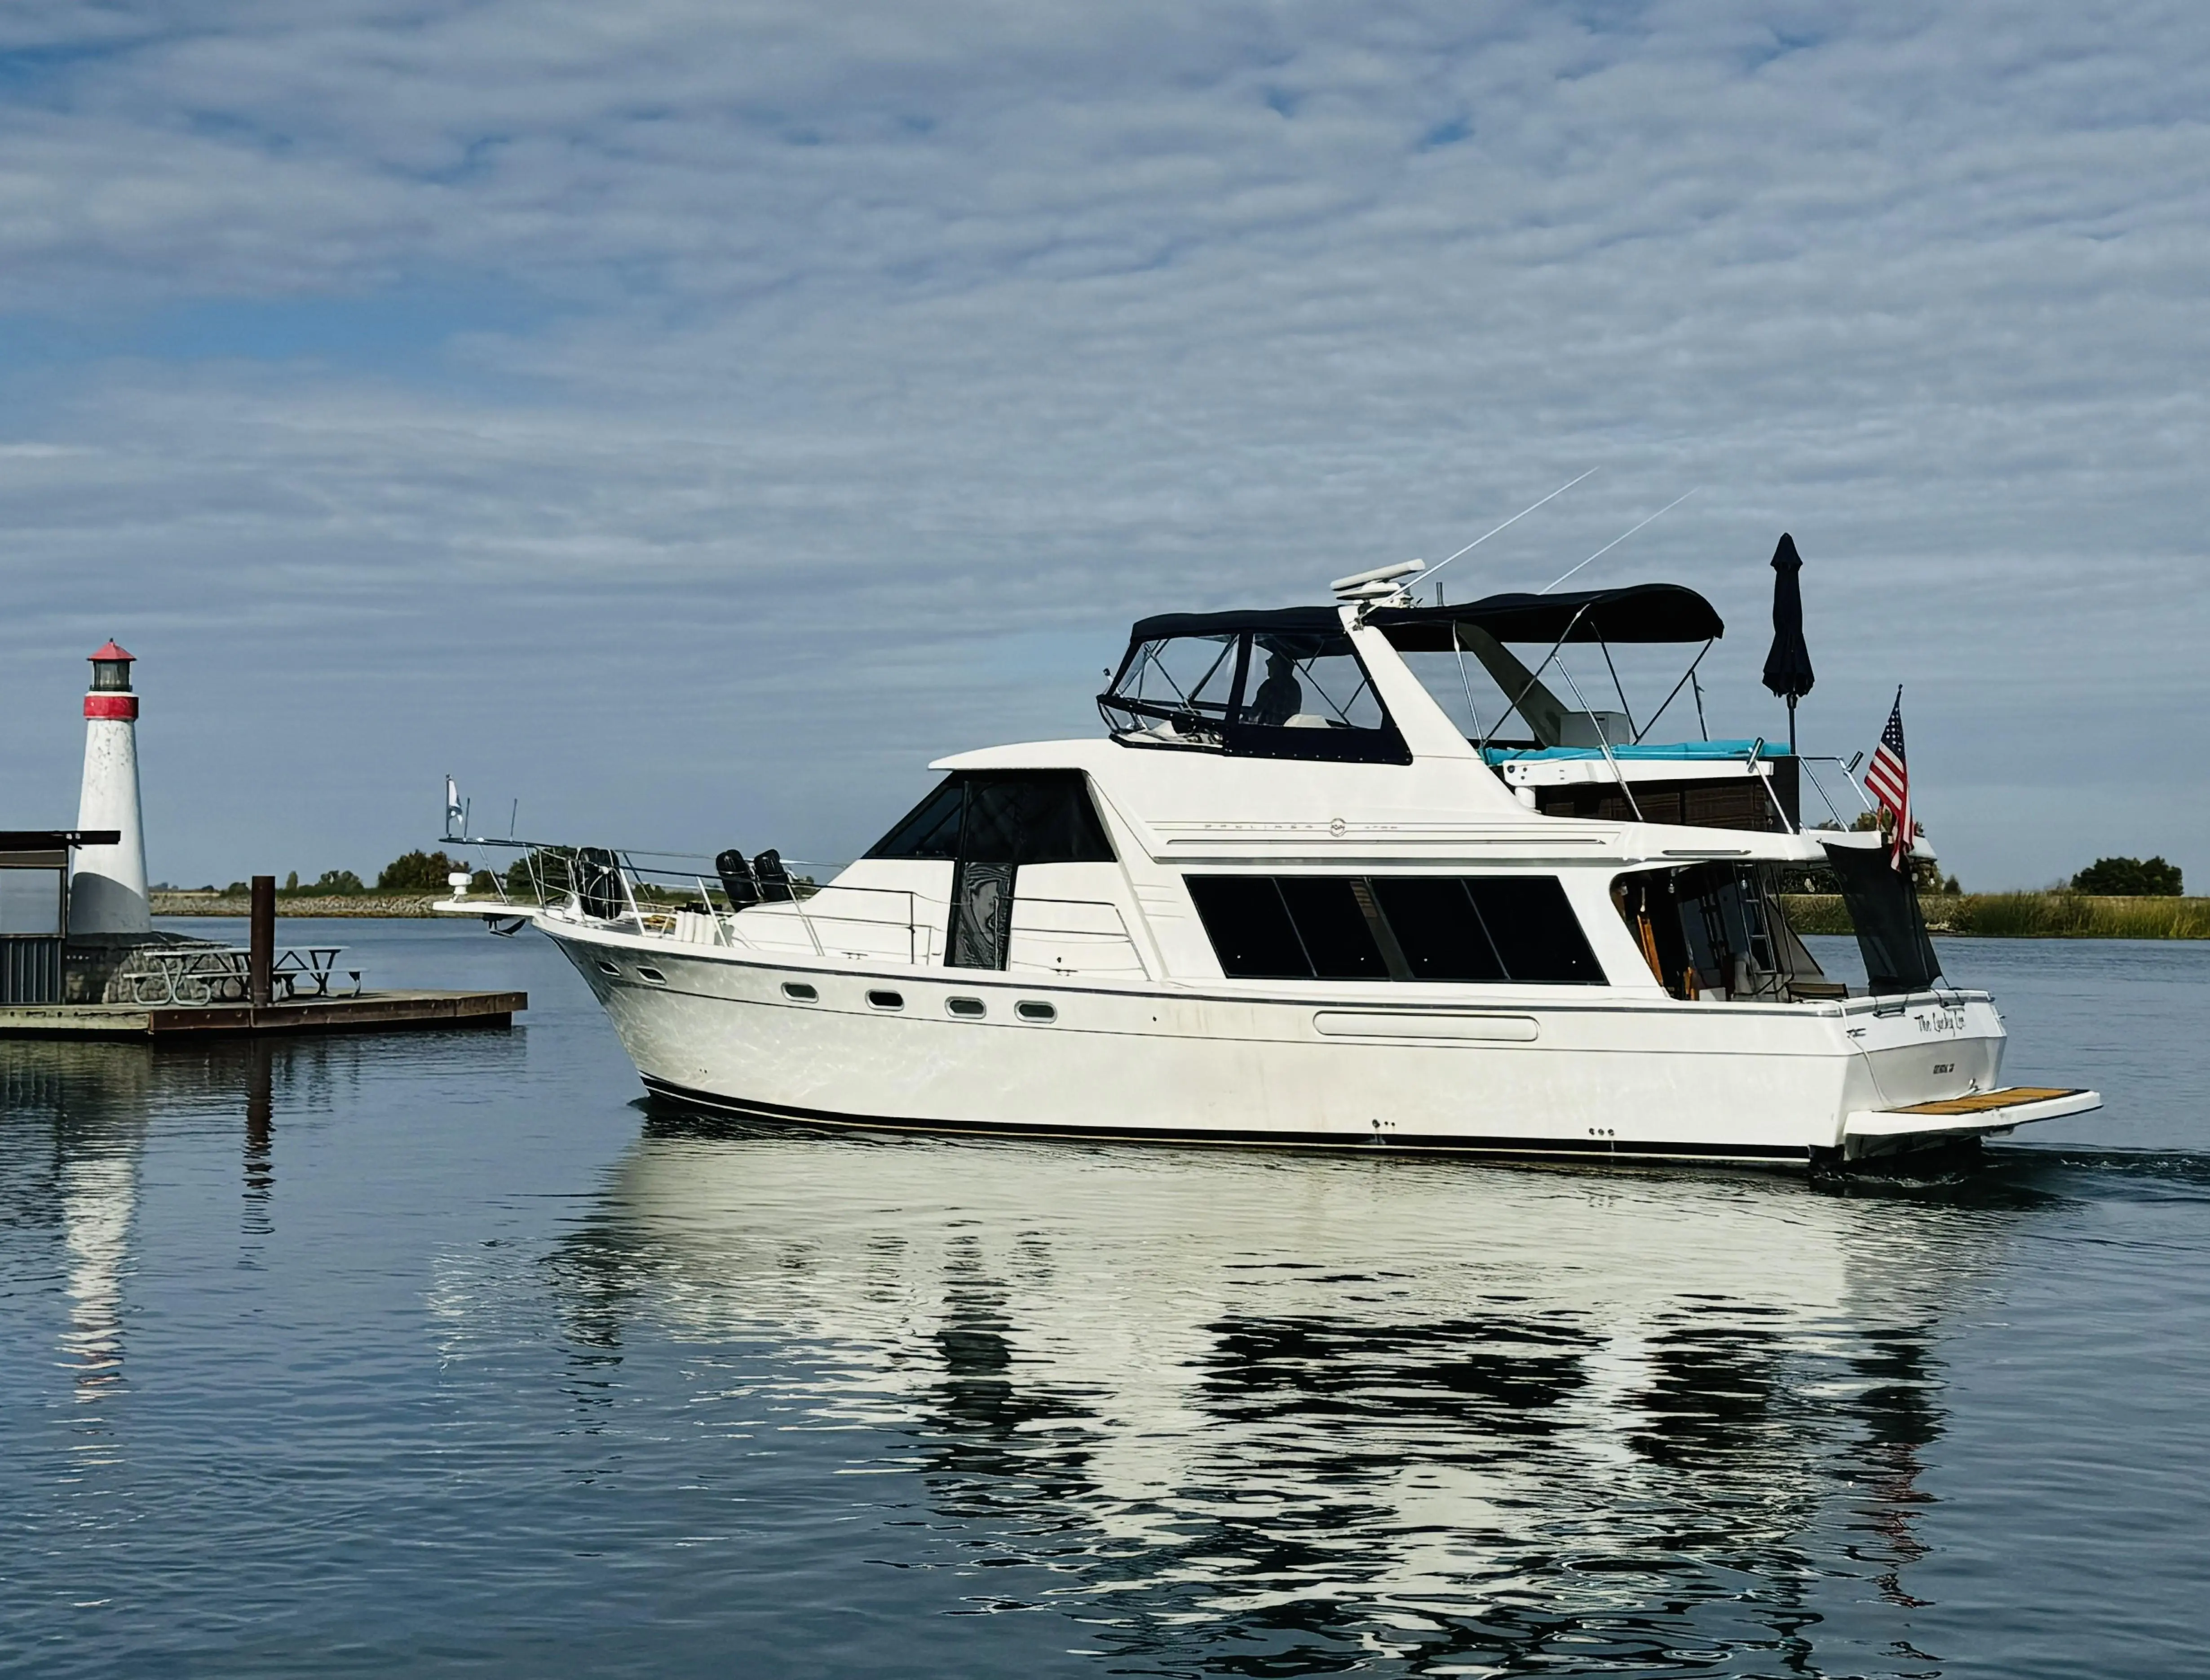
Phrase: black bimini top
{"type": "Point", "coordinates": [1285, 620]}
{"type": "Point", "coordinates": [1637, 613]}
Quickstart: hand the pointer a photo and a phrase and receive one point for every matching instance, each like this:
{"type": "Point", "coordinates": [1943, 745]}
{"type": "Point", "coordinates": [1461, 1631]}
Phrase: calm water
{"type": "Point", "coordinates": [447, 1355]}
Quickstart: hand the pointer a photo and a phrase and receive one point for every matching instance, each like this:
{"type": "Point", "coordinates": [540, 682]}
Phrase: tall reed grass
{"type": "Point", "coordinates": [2026, 916]}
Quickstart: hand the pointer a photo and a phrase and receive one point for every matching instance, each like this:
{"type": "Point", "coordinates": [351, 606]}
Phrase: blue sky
{"type": "Point", "coordinates": [688, 419]}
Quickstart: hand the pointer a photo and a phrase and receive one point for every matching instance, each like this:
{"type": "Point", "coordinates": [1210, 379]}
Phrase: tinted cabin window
{"type": "Point", "coordinates": [1443, 928]}
{"type": "Point", "coordinates": [1533, 930]}
{"type": "Point", "coordinates": [1324, 910]}
{"type": "Point", "coordinates": [1032, 816]}
{"type": "Point", "coordinates": [1249, 927]}
{"type": "Point", "coordinates": [1438, 928]}
{"type": "Point", "coordinates": [931, 829]}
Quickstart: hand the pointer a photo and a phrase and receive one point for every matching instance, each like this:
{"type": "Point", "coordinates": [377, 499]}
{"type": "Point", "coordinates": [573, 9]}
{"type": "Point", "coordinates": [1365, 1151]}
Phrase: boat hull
{"type": "Point", "coordinates": [1477, 1070]}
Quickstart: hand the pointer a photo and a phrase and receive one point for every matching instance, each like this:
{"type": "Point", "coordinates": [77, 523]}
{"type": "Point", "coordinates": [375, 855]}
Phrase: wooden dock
{"type": "Point", "coordinates": [370, 1012]}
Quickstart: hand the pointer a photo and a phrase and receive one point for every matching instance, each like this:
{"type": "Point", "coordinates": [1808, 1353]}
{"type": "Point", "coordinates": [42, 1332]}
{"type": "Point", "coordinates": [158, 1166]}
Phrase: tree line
{"type": "Point", "coordinates": [410, 871]}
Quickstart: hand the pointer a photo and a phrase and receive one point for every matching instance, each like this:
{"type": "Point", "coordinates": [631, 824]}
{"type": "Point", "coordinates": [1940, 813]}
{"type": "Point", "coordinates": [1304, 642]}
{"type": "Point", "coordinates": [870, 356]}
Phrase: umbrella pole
{"type": "Point", "coordinates": [1792, 726]}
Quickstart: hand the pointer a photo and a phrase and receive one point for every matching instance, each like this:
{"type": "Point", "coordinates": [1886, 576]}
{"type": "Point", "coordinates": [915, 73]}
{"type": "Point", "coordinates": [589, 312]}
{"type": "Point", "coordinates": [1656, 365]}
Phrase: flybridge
{"type": "Point", "coordinates": [1293, 682]}
{"type": "Point", "coordinates": [1299, 683]}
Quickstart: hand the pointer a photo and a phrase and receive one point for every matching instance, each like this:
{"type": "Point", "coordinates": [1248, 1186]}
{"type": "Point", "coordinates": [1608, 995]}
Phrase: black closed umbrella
{"type": "Point", "coordinates": [1788, 667]}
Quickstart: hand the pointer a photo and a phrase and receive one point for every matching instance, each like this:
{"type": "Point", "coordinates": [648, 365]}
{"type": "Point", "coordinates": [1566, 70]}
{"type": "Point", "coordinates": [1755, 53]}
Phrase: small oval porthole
{"type": "Point", "coordinates": [1029, 1010]}
{"type": "Point", "coordinates": [886, 1000]}
{"type": "Point", "coordinates": [969, 1009]}
{"type": "Point", "coordinates": [653, 974]}
{"type": "Point", "coordinates": [798, 992]}
{"type": "Point", "coordinates": [605, 967]}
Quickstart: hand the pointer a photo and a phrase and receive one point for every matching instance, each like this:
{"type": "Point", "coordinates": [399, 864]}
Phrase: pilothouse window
{"type": "Point", "coordinates": [984, 817]}
{"type": "Point", "coordinates": [989, 824]}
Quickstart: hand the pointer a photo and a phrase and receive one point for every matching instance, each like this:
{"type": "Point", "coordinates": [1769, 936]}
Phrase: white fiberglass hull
{"type": "Point", "coordinates": [1472, 1069]}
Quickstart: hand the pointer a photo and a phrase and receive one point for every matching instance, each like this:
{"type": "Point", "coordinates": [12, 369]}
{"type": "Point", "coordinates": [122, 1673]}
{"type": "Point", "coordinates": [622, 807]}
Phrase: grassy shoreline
{"type": "Point", "coordinates": [341, 903]}
{"type": "Point", "coordinates": [2026, 915]}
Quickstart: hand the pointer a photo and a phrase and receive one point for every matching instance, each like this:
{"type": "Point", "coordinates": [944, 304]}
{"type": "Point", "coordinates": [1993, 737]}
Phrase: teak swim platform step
{"type": "Point", "coordinates": [370, 1012]}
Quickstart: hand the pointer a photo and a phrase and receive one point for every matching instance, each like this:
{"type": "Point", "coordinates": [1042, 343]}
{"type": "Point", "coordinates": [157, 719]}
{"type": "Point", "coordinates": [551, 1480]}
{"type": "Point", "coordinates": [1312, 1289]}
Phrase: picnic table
{"type": "Point", "coordinates": [193, 976]}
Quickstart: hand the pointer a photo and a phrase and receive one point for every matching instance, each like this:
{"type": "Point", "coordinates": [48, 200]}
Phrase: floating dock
{"type": "Point", "coordinates": [370, 1012]}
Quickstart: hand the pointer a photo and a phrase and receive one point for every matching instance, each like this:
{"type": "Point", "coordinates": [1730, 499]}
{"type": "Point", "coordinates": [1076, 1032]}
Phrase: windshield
{"type": "Point", "coordinates": [1261, 693]}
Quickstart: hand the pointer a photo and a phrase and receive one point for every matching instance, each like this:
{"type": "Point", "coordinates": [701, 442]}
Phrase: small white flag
{"type": "Point", "coordinates": [452, 804]}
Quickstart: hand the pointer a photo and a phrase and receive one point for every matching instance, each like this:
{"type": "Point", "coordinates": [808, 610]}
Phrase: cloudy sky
{"type": "Point", "coordinates": [688, 419]}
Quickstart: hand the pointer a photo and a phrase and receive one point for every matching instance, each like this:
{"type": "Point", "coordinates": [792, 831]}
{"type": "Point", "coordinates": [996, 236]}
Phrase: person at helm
{"type": "Point", "coordinates": [1280, 698]}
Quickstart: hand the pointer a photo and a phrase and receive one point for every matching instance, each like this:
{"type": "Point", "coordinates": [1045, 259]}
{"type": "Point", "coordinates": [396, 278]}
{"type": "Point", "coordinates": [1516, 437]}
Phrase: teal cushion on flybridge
{"type": "Point", "coordinates": [1674, 750]}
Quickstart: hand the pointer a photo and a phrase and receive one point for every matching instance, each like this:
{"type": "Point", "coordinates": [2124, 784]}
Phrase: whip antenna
{"type": "Point", "coordinates": [1514, 520]}
{"type": "Point", "coordinates": [1616, 540]}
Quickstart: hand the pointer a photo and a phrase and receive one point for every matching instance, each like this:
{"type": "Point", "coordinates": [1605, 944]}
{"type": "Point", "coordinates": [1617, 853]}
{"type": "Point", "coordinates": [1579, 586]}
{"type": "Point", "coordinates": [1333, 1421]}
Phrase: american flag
{"type": "Point", "coordinates": [1889, 778]}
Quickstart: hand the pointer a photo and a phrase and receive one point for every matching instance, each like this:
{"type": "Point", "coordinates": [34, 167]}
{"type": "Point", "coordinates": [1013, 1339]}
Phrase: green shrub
{"type": "Point", "coordinates": [2125, 877]}
{"type": "Point", "coordinates": [416, 872]}
{"type": "Point", "coordinates": [333, 881]}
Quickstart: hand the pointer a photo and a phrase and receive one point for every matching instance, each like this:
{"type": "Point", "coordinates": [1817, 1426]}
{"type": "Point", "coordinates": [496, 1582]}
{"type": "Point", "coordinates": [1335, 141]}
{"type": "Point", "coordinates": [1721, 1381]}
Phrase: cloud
{"type": "Point", "coordinates": [687, 414]}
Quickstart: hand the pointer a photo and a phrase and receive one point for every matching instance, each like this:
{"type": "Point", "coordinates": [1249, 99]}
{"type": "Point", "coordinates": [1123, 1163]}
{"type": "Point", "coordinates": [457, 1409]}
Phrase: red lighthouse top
{"type": "Point", "coordinates": [111, 695]}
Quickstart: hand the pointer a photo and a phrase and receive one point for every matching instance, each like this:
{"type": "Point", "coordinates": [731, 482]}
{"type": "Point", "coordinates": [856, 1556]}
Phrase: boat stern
{"type": "Point", "coordinates": [1928, 1071]}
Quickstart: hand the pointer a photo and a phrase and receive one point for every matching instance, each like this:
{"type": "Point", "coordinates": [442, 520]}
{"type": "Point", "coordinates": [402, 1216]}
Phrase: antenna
{"type": "Point", "coordinates": [1378, 584]}
{"type": "Point", "coordinates": [1616, 540]}
{"type": "Point", "coordinates": [1514, 520]}
{"type": "Point", "coordinates": [511, 816]}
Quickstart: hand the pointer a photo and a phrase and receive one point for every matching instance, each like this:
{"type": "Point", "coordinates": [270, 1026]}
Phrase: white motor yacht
{"type": "Point", "coordinates": [1287, 897]}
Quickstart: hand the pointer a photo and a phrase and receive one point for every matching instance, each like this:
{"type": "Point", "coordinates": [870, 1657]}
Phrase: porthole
{"type": "Point", "coordinates": [798, 992]}
{"type": "Point", "coordinates": [605, 967]}
{"type": "Point", "coordinates": [653, 974]}
{"type": "Point", "coordinates": [1029, 1010]}
{"type": "Point", "coordinates": [969, 1009]}
{"type": "Point", "coordinates": [886, 1000]}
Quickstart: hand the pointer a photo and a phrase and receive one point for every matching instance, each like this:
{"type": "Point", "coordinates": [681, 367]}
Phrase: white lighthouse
{"type": "Point", "coordinates": [107, 889]}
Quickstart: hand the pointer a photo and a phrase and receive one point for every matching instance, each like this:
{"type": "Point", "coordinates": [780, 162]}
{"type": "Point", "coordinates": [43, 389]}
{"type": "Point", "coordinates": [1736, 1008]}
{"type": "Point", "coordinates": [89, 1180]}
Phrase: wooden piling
{"type": "Point", "coordinates": [261, 946]}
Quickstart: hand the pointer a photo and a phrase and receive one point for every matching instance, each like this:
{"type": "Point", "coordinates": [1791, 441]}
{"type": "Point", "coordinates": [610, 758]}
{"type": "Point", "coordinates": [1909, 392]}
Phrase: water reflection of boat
{"type": "Point", "coordinates": [1251, 1394]}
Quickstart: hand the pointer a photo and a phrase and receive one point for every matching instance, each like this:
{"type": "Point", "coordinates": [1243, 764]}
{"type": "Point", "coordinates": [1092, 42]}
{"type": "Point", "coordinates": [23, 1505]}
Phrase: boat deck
{"type": "Point", "coordinates": [370, 1012]}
